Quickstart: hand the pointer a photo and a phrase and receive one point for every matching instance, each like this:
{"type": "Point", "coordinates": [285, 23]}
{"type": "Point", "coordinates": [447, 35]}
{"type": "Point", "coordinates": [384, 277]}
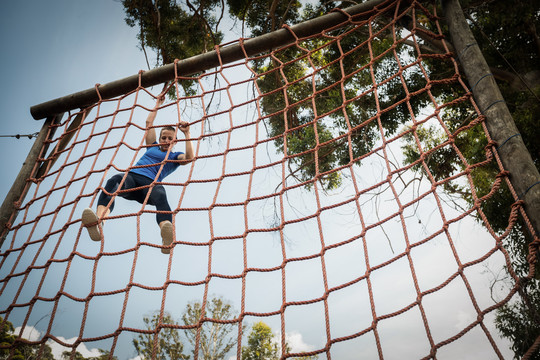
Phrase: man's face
{"type": "Point", "coordinates": [166, 138]}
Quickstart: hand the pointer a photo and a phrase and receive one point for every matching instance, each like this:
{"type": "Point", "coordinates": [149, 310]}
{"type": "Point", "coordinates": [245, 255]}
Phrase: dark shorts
{"type": "Point", "coordinates": [137, 187]}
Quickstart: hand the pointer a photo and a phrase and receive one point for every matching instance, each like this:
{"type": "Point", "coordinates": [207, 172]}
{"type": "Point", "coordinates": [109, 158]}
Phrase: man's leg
{"type": "Point", "coordinates": [91, 220]}
{"type": "Point", "coordinates": [158, 198]}
{"type": "Point", "coordinates": [167, 235]}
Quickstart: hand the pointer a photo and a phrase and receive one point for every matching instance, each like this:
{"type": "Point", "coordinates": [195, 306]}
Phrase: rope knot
{"type": "Point", "coordinates": [503, 174]}
{"type": "Point", "coordinates": [491, 143]}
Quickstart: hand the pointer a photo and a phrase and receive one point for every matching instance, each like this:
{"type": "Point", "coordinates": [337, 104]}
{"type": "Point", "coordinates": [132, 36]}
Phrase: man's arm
{"type": "Point", "coordinates": [184, 127]}
{"type": "Point", "coordinates": [151, 133]}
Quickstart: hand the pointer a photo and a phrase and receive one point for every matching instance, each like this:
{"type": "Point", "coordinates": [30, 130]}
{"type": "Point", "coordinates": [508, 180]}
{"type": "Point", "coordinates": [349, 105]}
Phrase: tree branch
{"type": "Point", "coordinates": [199, 14]}
{"type": "Point", "coordinates": [142, 43]}
{"type": "Point", "coordinates": [272, 14]}
{"type": "Point", "coordinates": [285, 13]}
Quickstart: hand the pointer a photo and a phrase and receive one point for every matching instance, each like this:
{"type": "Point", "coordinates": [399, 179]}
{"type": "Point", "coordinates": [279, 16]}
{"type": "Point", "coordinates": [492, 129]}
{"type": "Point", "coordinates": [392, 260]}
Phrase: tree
{"type": "Point", "coordinates": [66, 355]}
{"type": "Point", "coordinates": [519, 325]}
{"type": "Point", "coordinates": [261, 344]}
{"type": "Point", "coordinates": [12, 349]}
{"type": "Point", "coordinates": [507, 36]}
{"type": "Point", "coordinates": [105, 355]}
{"type": "Point", "coordinates": [174, 30]}
{"type": "Point", "coordinates": [215, 340]}
{"type": "Point", "coordinates": [167, 345]}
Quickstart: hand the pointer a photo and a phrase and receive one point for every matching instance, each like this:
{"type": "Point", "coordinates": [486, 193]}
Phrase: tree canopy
{"type": "Point", "coordinates": [212, 338]}
{"type": "Point", "coordinates": [215, 338]}
{"type": "Point", "coordinates": [174, 30]}
{"type": "Point", "coordinates": [19, 350]}
{"type": "Point", "coordinates": [260, 344]}
{"type": "Point", "coordinates": [162, 341]}
{"type": "Point", "coordinates": [105, 355]}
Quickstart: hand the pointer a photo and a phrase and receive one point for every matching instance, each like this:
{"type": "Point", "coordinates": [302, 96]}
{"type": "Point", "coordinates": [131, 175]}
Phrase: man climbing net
{"type": "Point", "coordinates": [139, 183]}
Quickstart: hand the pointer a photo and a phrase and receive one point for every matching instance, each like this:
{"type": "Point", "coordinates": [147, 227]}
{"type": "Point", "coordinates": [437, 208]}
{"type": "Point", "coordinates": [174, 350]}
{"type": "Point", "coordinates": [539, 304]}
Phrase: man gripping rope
{"type": "Point", "coordinates": [140, 180]}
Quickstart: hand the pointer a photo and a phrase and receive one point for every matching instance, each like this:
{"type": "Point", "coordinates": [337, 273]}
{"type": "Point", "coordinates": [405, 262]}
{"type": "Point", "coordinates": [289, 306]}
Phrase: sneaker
{"type": "Point", "coordinates": [166, 236]}
{"type": "Point", "coordinates": [91, 222]}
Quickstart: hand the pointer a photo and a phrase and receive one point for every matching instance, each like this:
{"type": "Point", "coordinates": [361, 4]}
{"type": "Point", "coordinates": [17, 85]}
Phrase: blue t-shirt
{"type": "Point", "coordinates": [154, 156]}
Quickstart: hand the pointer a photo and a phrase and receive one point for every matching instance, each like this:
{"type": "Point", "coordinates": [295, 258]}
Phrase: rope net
{"type": "Point", "coordinates": [311, 204]}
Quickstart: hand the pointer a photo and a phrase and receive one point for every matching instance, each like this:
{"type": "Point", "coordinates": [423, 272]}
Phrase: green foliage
{"type": "Point", "coordinates": [263, 16]}
{"type": "Point", "coordinates": [335, 115]}
{"type": "Point", "coordinates": [171, 30]}
{"type": "Point", "coordinates": [163, 341]}
{"type": "Point", "coordinates": [215, 339]}
{"type": "Point", "coordinates": [506, 34]}
{"type": "Point", "coordinates": [6, 338]}
{"type": "Point", "coordinates": [261, 344]}
{"type": "Point", "coordinates": [521, 324]}
{"type": "Point", "coordinates": [499, 28]}
{"type": "Point", "coordinates": [174, 31]}
{"type": "Point", "coordinates": [105, 355]}
{"type": "Point", "coordinates": [66, 355]}
{"type": "Point", "coordinates": [12, 349]}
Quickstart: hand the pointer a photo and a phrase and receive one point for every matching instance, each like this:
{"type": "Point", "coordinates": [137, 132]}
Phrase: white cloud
{"type": "Point", "coordinates": [296, 342]}
{"type": "Point", "coordinates": [29, 333]}
{"type": "Point", "coordinates": [33, 334]}
{"type": "Point", "coordinates": [58, 349]}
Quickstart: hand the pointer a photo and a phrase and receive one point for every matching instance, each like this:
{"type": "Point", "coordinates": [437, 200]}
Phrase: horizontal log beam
{"type": "Point", "coordinates": [202, 62]}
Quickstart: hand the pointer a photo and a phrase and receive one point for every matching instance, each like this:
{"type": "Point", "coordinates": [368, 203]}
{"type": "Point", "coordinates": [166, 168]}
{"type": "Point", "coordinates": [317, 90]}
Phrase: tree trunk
{"type": "Point", "coordinates": [514, 155]}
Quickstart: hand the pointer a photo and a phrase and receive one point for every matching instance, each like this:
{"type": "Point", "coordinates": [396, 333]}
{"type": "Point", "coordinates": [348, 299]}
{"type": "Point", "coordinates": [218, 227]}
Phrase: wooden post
{"type": "Point", "coordinates": [61, 145]}
{"type": "Point", "coordinates": [514, 155]}
{"type": "Point", "coordinates": [19, 189]}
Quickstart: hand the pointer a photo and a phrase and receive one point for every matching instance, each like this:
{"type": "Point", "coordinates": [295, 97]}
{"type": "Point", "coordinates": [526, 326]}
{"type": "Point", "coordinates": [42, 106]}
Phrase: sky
{"type": "Point", "coordinates": [51, 49]}
{"type": "Point", "coordinates": [55, 48]}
